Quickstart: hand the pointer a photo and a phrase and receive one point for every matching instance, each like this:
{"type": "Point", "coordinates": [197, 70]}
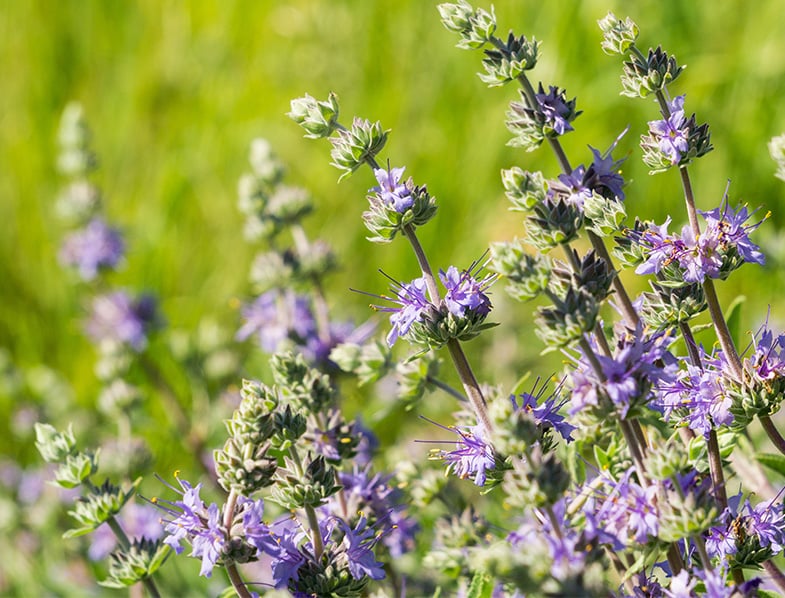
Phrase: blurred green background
{"type": "Point", "coordinates": [175, 91]}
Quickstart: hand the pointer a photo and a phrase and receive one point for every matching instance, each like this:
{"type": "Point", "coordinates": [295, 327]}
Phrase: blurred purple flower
{"type": "Point", "coordinates": [117, 318]}
{"type": "Point", "coordinates": [138, 521]}
{"type": "Point", "coordinates": [97, 246]}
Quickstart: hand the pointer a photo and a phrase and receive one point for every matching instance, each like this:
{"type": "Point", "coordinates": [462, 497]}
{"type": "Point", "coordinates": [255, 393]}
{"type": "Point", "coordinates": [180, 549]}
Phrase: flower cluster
{"type": "Point", "coordinates": [689, 257]}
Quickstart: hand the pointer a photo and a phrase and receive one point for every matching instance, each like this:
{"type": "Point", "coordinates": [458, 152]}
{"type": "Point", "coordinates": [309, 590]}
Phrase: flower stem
{"type": "Point", "coordinates": [231, 568]}
{"type": "Point", "coordinates": [446, 388]}
{"type": "Point", "coordinates": [715, 468]}
{"type": "Point", "coordinates": [425, 266]}
{"type": "Point", "coordinates": [470, 386]}
{"type": "Point", "coordinates": [773, 433]}
{"type": "Point", "coordinates": [776, 575]}
{"type": "Point", "coordinates": [722, 330]}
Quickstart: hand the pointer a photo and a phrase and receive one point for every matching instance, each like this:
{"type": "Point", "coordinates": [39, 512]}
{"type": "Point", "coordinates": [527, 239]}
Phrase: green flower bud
{"type": "Point", "coordinates": [289, 426]}
{"type": "Point", "coordinates": [312, 489]}
{"type": "Point", "coordinates": [353, 147]}
{"type": "Point", "coordinates": [507, 63]}
{"type": "Point", "coordinates": [266, 165]}
{"type": "Point", "coordinates": [245, 467]}
{"type": "Point", "coordinates": [318, 118]}
{"type": "Point", "coordinates": [568, 319]}
{"type": "Point", "coordinates": [553, 223]}
{"type": "Point", "coordinates": [618, 36]}
{"type": "Point", "coordinates": [476, 26]}
{"type": "Point", "coordinates": [368, 362]}
{"type": "Point", "coordinates": [524, 189]}
{"type": "Point", "coordinates": [304, 387]}
{"type": "Point", "coordinates": [316, 261]}
{"type": "Point", "coordinates": [143, 558]}
{"type": "Point", "coordinates": [273, 270]}
{"type": "Point", "coordinates": [98, 507]}
{"type": "Point", "coordinates": [75, 158]}
{"type": "Point", "coordinates": [527, 275]}
{"type": "Point", "coordinates": [78, 202]}
{"type": "Point", "coordinates": [76, 469]}
{"type": "Point", "coordinates": [643, 77]}
{"type": "Point", "coordinates": [667, 306]}
{"type": "Point", "coordinates": [54, 446]}
{"type": "Point", "coordinates": [594, 276]}
{"type": "Point", "coordinates": [413, 378]}
{"type": "Point", "coordinates": [603, 216]}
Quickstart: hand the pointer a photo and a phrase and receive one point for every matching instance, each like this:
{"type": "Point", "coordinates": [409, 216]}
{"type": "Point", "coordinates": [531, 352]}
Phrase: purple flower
{"type": "Point", "coordinates": [473, 455]}
{"type": "Point", "coordinates": [393, 192]}
{"type": "Point", "coordinates": [256, 531]}
{"type": "Point", "coordinates": [372, 494]}
{"type": "Point", "coordinates": [358, 542]}
{"type": "Point", "coordinates": [629, 512]}
{"type": "Point", "coordinates": [276, 317]}
{"type": "Point", "coordinates": [724, 241]}
{"type": "Point", "coordinates": [117, 318]}
{"type": "Point", "coordinates": [465, 292]}
{"type": "Point", "coordinates": [672, 133]}
{"type": "Point", "coordinates": [603, 175]}
{"type": "Point", "coordinates": [546, 415]}
{"type": "Point", "coordinates": [571, 187]}
{"type": "Point", "coordinates": [287, 558]}
{"type": "Point", "coordinates": [412, 302]}
{"type": "Point", "coordinates": [199, 525]}
{"type": "Point", "coordinates": [698, 395]}
{"type": "Point", "coordinates": [97, 246]}
{"type": "Point", "coordinates": [728, 228]}
{"type": "Point", "coordinates": [555, 109]}
{"type": "Point", "coordinates": [768, 360]}
{"type": "Point", "coordinates": [628, 376]}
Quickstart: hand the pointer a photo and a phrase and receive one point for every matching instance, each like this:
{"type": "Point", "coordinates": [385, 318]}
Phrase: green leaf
{"type": "Point", "coordinates": [768, 594]}
{"type": "Point", "coordinates": [76, 532]}
{"type": "Point", "coordinates": [733, 318]}
{"type": "Point", "coordinates": [773, 461]}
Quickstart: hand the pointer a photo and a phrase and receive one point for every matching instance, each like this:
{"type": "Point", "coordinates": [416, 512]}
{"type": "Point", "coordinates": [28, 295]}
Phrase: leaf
{"type": "Point", "coordinates": [733, 318]}
{"type": "Point", "coordinates": [773, 461]}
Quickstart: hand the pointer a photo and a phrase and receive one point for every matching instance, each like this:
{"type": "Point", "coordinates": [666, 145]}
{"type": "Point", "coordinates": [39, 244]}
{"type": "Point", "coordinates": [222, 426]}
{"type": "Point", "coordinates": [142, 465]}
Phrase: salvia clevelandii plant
{"type": "Point", "coordinates": [633, 473]}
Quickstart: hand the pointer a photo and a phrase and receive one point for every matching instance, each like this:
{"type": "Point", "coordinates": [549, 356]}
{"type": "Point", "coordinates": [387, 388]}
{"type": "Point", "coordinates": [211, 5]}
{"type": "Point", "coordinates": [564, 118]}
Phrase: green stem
{"type": "Point", "coordinates": [445, 387]}
{"type": "Point", "coordinates": [715, 468]}
{"type": "Point", "coordinates": [722, 330]}
{"type": "Point", "coordinates": [425, 266]}
{"type": "Point", "coordinates": [773, 433]}
{"type": "Point", "coordinates": [470, 386]}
